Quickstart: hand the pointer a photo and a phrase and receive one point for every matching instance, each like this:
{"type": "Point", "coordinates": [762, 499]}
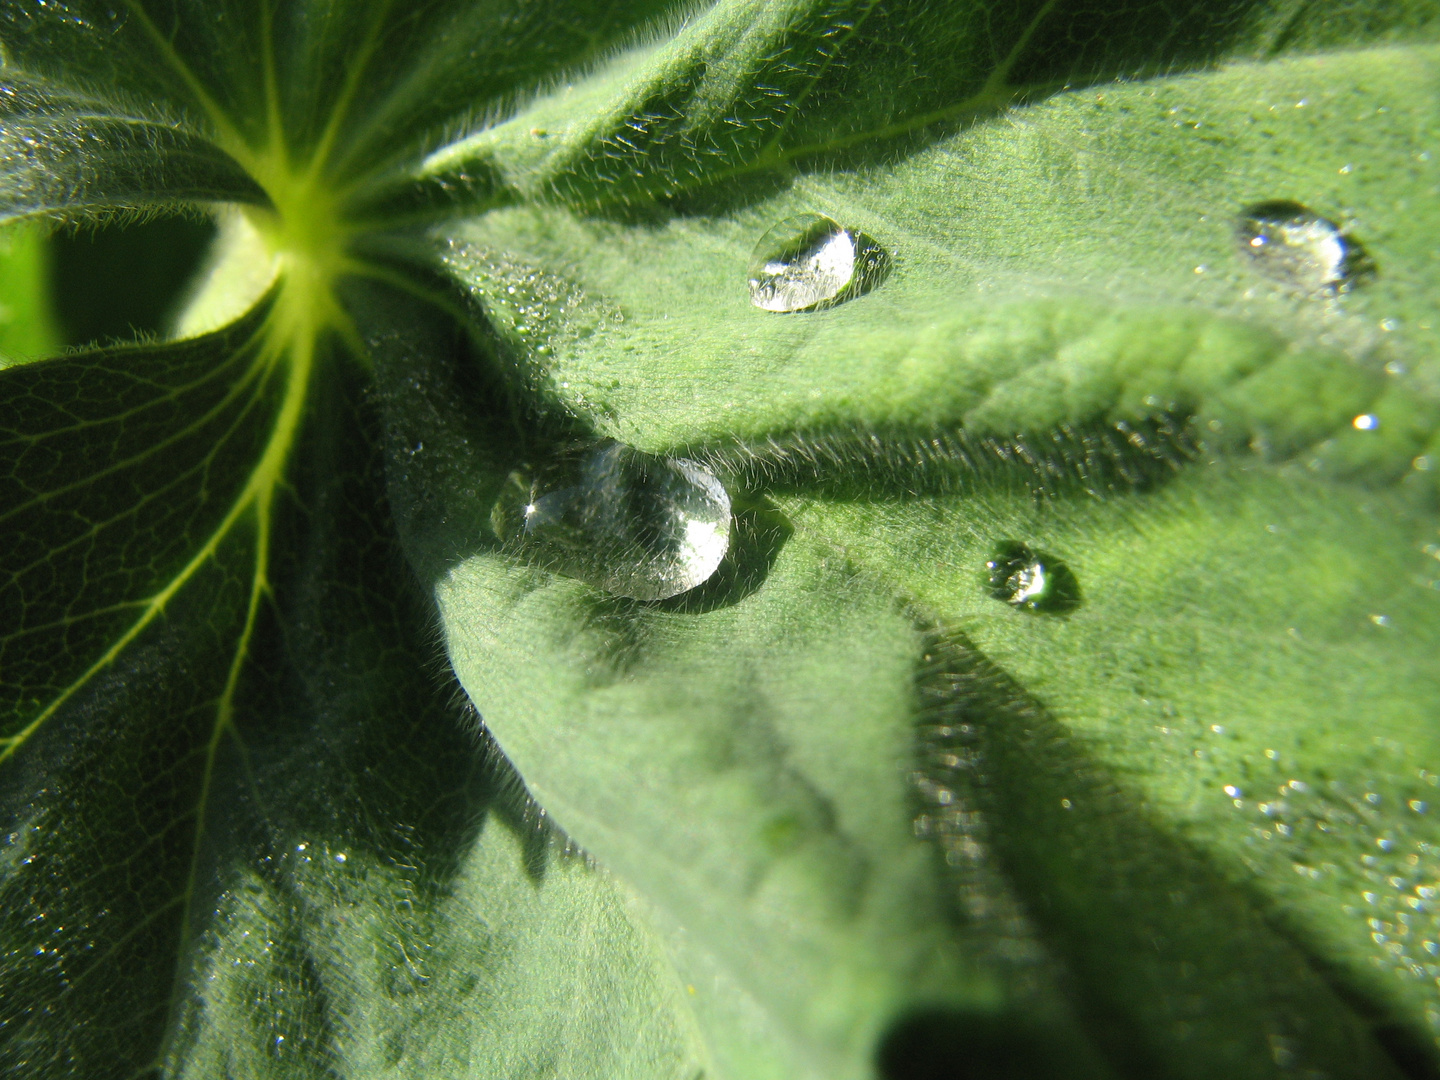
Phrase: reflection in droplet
{"type": "Point", "coordinates": [810, 261]}
{"type": "Point", "coordinates": [1031, 579]}
{"type": "Point", "coordinates": [1294, 245]}
{"type": "Point", "coordinates": [628, 522]}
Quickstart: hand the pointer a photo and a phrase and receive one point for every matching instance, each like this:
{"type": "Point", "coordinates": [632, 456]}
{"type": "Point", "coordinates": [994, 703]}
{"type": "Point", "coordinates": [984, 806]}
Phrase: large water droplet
{"type": "Point", "coordinates": [628, 522]}
{"type": "Point", "coordinates": [1288, 242]}
{"type": "Point", "coordinates": [1031, 579]}
{"type": "Point", "coordinates": [811, 261]}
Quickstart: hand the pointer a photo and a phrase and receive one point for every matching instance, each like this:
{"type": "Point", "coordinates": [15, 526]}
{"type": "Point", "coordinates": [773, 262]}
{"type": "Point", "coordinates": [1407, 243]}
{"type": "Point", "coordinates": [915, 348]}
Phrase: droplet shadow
{"type": "Point", "coordinates": [951, 1044]}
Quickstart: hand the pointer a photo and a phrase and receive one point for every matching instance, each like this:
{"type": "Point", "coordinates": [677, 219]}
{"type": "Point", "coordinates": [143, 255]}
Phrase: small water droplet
{"type": "Point", "coordinates": [1366, 422]}
{"type": "Point", "coordinates": [1031, 579]}
{"type": "Point", "coordinates": [631, 523]}
{"type": "Point", "coordinates": [810, 261]}
{"type": "Point", "coordinates": [1290, 243]}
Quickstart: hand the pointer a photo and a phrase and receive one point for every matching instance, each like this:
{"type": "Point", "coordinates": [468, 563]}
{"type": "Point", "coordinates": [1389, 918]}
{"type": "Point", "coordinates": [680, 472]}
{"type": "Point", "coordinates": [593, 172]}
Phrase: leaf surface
{"type": "Point", "coordinates": [27, 327]}
{"type": "Point", "coordinates": [65, 153]}
{"type": "Point", "coordinates": [839, 811]}
{"type": "Point", "coordinates": [1049, 282]}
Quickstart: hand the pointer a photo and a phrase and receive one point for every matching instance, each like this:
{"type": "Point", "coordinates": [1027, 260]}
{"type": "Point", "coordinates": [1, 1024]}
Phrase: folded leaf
{"type": "Point", "coordinates": [1070, 353]}
{"type": "Point", "coordinates": [66, 154]}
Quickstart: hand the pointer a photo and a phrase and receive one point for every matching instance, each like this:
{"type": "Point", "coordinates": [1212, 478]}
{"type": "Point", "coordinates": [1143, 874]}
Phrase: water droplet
{"type": "Point", "coordinates": [1366, 422]}
{"type": "Point", "coordinates": [1290, 243]}
{"type": "Point", "coordinates": [1031, 579]}
{"type": "Point", "coordinates": [628, 522]}
{"type": "Point", "coordinates": [810, 261]}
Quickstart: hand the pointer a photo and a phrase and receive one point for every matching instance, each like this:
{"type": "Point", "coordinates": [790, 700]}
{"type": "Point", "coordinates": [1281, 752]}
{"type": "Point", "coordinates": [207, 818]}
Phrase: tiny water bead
{"type": "Point", "coordinates": [631, 523]}
{"type": "Point", "coordinates": [810, 261]}
{"type": "Point", "coordinates": [1289, 243]}
{"type": "Point", "coordinates": [1032, 580]}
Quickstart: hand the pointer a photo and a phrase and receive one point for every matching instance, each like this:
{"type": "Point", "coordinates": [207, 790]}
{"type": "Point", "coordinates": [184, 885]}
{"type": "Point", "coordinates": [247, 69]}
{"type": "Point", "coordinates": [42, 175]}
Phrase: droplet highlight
{"type": "Point", "coordinates": [1291, 244]}
{"type": "Point", "coordinates": [809, 262]}
{"type": "Point", "coordinates": [631, 523]}
{"type": "Point", "coordinates": [1031, 580]}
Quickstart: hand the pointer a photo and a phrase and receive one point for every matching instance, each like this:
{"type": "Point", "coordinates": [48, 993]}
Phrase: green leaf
{"type": "Point", "coordinates": [1073, 289]}
{"type": "Point", "coordinates": [1049, 282]}
{"type": "Point", "coordinates": [26, 321]}
{"type": "Point", "coordinates": [234, 753]}
{"type": "Point", "coordinates": [65, 153]}
{"type": "Point", "coordinates": [840, 810]}
{"type": "Point", "coordinates": [750, 88]}
{"type": "Point", "coordinates": [354, 91]}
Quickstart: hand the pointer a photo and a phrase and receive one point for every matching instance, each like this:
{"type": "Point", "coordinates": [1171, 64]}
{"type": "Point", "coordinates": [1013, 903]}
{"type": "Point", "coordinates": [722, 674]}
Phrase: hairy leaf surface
{"type": "Point", "coordinates": [1049, 282]}
{"type": "Point", "coordinates": [840, 811]}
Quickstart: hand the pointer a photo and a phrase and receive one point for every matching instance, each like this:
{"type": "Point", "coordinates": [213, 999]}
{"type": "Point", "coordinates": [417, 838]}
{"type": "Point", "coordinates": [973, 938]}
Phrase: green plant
{"type": "Point", "coordinates": [840, 808]}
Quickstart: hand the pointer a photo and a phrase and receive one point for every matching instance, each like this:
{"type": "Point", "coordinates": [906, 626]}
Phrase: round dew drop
{"type": "Point", "coordinates": [631, 523]}
{"type": "Point", "coordinates": [1289, 243]}
{"type": "Point", "coordinates": [809, 261]}
{"type": "Point", "coordinates": [1031, 580]}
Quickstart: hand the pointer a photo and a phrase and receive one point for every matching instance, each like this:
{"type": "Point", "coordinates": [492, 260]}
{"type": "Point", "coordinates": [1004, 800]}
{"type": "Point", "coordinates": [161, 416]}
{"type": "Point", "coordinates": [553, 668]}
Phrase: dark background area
{"type": "Point", "coordinates": [120, 282]}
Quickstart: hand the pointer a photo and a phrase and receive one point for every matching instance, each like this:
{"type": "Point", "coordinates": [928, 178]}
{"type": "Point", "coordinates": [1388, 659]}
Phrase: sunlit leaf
{"type": "Point", "coordinates": [27, 327]}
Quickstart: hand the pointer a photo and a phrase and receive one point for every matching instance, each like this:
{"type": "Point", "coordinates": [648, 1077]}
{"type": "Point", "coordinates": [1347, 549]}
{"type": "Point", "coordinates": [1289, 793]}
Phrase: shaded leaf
{"type": "Point", "coordinates": [67, 154]}
{"type": "Point", "coordinates": [350, 89]}
{"type": "Point", "coordinates": [748, 89]}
